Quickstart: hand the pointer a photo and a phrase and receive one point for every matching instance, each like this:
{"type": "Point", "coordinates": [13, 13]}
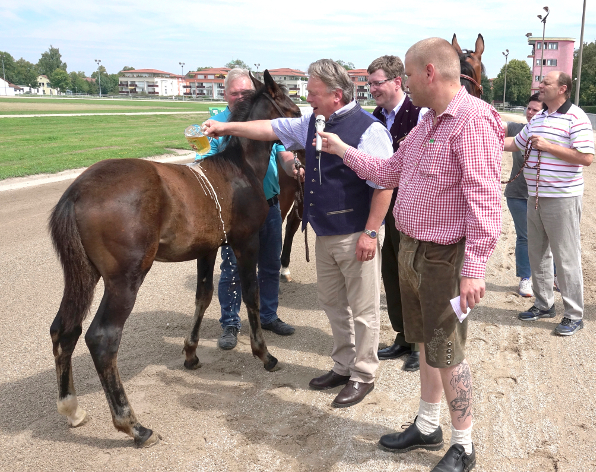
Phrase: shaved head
{"type": "Point", "coordinates": [438, 52]}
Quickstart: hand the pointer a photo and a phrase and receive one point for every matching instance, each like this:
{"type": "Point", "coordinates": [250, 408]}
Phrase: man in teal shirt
{"type": "Point", "coordinates": [270, 241]}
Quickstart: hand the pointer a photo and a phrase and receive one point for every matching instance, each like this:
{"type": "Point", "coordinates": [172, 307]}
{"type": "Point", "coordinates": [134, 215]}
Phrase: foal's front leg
{"type": "Point", "coordinates": [203, 299]}
{"type": "Point", "coordinates": [247, 256]}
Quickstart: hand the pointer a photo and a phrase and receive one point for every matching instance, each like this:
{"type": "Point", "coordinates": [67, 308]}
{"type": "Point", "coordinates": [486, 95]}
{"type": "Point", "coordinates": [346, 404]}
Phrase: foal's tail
{"type": "Point", "coordinates": [80, 276]}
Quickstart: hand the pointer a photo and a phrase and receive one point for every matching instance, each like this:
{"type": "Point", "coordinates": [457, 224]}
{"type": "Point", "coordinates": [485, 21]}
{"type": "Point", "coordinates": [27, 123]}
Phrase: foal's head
{"type": "Point", "coordinates": [471, 65]}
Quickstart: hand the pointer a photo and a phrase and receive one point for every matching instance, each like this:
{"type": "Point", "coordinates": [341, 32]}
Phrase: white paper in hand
{"type": "Point", "coordinates": [461, 316]}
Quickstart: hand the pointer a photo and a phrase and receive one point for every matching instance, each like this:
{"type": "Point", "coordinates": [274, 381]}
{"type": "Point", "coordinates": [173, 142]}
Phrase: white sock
{"type": "Point", "coordinates": [463, 437]}
{"type": "Point", "coordinates": [429, 415]}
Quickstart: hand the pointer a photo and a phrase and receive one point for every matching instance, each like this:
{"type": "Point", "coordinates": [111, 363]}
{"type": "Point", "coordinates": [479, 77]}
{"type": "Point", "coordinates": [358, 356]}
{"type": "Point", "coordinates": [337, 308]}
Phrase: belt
{"type": "Point", "coordinates": [273, 201]}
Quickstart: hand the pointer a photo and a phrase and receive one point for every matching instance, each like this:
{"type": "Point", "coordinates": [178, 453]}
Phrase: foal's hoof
{"type": "Point", "coordinates": [146, 438]}
{"type": "Point", "coordinates": [79, 422]}
{"type": "Point", "coordinates": [271, 365]}
{"type": "Point", "coordinates": [285, 277]}
{"type": "Point", "coordinates": [193, 364]}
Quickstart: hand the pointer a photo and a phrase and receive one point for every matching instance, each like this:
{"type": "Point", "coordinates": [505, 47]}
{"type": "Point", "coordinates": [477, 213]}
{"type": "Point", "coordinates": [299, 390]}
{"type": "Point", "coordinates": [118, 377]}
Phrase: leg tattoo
{"type": "Point", "coordinates": [461, 382]}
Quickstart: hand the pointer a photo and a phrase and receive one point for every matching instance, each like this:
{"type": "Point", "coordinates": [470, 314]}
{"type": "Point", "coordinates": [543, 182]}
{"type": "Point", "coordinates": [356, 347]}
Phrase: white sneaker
{"type": "Point", "coordinates": [525, 288]}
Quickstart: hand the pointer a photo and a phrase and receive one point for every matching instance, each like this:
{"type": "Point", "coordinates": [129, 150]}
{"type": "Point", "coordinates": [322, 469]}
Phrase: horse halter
{"type": "Point", "coordinates": [277, 107]}
{"type": "Point", "coordinates": [467, 77]}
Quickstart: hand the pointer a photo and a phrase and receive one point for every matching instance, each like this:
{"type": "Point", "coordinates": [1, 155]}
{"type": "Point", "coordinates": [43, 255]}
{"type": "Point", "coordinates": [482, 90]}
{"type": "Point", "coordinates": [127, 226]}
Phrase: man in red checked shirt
{"type": "Point", "coordinates": [448, 209]}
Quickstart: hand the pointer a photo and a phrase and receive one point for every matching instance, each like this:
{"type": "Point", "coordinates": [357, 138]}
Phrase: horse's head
{"type": "Point", "coordinates": [277, 101]}
{"type": "Point", "coordinates": [471, 65]}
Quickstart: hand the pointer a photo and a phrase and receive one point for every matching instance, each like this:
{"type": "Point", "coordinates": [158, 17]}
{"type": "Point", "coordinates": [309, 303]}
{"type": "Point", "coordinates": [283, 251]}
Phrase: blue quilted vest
{"type": "Point", "coordinates": [336, 200]}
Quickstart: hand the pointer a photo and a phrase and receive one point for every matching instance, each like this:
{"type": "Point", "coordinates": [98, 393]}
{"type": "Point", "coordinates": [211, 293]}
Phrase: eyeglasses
{"type": "Point", "coordinates": [378, 83]}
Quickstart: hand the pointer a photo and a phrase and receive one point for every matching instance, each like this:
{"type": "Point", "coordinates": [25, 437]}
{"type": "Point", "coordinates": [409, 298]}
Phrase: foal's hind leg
{"type": "Point", "coordinates": [64, 344]}
{"type": "Point", "coordinates": [202, 301]}
{"type": "Point", "coordinates": [247, 257]}
{"type": "Point", "coordinates": [103, 340]}
{"type": "Point", "coordinates": [292, 225]}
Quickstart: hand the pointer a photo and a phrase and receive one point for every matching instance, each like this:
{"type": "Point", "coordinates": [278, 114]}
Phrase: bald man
{"type": "Point", "coordinates": [563, 136]}
{"type": "Point", "coordinates": [448, 209]}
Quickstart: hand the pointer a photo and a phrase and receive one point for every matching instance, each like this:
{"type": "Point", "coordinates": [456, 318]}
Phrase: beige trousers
{"type": "Point", "coordinates": [349, 291]}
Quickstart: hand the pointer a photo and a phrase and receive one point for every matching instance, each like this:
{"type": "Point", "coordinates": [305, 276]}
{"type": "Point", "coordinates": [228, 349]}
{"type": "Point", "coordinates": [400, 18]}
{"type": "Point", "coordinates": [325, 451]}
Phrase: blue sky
{"type": "Point", "coordinates": [160, 34]}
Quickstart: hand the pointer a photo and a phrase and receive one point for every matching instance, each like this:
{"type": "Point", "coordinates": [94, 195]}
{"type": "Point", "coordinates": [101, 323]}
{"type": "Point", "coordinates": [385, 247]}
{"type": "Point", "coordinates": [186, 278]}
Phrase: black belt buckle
{"type": "Point", "coordinates": [273, 201]}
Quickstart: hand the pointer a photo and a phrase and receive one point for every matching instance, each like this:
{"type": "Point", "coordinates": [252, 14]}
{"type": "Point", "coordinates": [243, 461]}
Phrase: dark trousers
{"type": "Point", "coordinates": [390, 273]}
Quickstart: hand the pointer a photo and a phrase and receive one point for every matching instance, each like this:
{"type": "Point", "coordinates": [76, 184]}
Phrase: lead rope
{"type": "Point", "coordinates": [527, 153]}
{"type": "Point", "coordinates": [299, 198]}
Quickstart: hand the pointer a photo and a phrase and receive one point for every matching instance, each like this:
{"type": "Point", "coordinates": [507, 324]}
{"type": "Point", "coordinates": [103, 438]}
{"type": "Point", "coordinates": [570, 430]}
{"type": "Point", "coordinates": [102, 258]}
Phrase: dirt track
{"type": "Point", "coordinates": [534, 392]}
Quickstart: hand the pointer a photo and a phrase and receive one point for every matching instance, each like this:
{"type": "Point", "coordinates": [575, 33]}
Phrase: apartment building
{"type": "Point", "coordinates": [360, 80]}
{"type": "Point", "coordinates": [149, 81]}
{"type": "Point", "coordinates": [554, 54]}
{"type": "Point", "coordinates": [295, 80]}
{"type": "Point", "coordinates": [208, 83]}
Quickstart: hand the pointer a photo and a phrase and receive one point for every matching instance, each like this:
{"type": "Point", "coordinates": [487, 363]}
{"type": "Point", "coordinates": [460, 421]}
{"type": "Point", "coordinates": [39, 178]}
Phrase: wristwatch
{"type": "Point", "coordinates": [370, 232]}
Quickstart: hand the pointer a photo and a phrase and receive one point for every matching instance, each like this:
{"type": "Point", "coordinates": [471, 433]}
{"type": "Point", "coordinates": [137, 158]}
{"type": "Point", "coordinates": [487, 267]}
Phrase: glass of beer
{"type": "Point", "coordinates": [198, 141]}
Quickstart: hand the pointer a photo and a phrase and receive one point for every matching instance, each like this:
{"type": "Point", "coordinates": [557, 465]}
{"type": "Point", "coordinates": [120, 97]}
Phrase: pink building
{"type": "Point", "coordinates": [556, 55]}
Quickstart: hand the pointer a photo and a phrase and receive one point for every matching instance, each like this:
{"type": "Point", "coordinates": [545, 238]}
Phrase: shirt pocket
{"type": "Point", "coordinates": [438, 165]}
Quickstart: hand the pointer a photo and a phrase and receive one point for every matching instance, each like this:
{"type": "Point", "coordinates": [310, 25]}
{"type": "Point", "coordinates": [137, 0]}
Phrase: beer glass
{"type": "Point", "coordinates": [198, 141]}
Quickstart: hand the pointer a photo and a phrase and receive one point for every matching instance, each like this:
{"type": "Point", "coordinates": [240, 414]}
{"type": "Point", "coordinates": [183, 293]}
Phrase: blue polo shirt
{"type": "Point", "coordinates": [271, 181]}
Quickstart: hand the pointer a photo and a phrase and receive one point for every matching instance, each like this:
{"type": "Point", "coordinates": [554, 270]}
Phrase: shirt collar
{"type": "Point", "coordinates": [563, 109]}
{"type": "Point", "coordinates": [455, 102]}
{"type": "Point", "coordinates": [396, 109]}
{"type": "Point", "coordinates": [343, 109]}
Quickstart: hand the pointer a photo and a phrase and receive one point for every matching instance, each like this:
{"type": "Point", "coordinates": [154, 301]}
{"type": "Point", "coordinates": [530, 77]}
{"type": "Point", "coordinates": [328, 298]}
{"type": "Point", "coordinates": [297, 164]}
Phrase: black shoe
{"type": "Point", "coordinates": [229, 338]}
{"type": "Point", "coordinates": [412, 363]}
{"type": "Point", "coordinates": [393, 352]}
{"type": "Point", "coordinates": [328, 380]}
{"type": "Point", "coordinates": [456, 460]}
{"type": "Point", "coordinates": [412, 438]}
{"type": "Point", "coordinates": [279, 327]}
{"type": "Point", "coordinates": [534, 313]}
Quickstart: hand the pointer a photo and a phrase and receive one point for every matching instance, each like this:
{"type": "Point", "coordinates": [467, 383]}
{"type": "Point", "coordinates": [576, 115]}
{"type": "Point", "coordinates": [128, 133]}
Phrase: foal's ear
{"type": "Point", "coordinates": [479, 48]}
{"type": "Point", "coordinates": [455, 44]}
{"type": "Point", "coordinates": [256, 82]}
{"type": "Point", "coordinates": [271, 85]}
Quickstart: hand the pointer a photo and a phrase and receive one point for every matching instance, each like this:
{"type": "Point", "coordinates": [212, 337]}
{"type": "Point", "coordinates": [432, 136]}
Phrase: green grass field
{"type": "Point", "coordinates": [51, 144]}
{"type": "Point", "coordinates": [29, 106]}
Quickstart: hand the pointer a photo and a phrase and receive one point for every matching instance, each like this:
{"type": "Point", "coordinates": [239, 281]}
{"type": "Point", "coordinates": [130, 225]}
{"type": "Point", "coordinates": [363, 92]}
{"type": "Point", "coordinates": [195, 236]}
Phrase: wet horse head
{"type": "Point", "coordinates": [471, 65]}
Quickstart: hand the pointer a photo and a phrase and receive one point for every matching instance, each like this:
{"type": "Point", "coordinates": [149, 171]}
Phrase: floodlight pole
{"type": "Point", "coordinates": [99, 75]}
{"type": "Point", "coordinates": [505, 84]}
{"type": "Point", "coordinates": [579, 59]}
{"type": "Point", "coordinates": [543, 20]}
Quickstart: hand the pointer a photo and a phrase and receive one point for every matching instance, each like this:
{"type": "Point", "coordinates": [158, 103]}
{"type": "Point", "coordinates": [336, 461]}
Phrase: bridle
{"type": "Point", "coordinates": [467, 77]}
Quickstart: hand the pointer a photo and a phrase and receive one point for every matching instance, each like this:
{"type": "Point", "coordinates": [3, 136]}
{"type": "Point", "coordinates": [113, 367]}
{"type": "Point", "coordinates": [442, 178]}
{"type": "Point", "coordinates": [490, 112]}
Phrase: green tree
{"type": "Point", "coordinates": [7, 67]}
{"type": "Point", "coordinates": [587, 86]}
{"type": "Point", "coordinates": [204, 68]}
{"type": "Point", "coordinates": [60, 80]}
{"type": "Point", "coordinates": [50, 61]}
{"type": "Point", "coordinates": [25, 73]}
{"type": "Point", "coordinates": [101, 75]}
{"type": "Point", "coordinates": [519, 83]}
{"type": "Point", "coordinates": [78, 82]}
{"type": "Point", "coordinates": [237, 63]}
{"type": "Point", "coordinates": [125, 68]}
{"type": "Point", "coordinates": [346, 65]}
{"type": "Point", "coordinates": [487, 91]}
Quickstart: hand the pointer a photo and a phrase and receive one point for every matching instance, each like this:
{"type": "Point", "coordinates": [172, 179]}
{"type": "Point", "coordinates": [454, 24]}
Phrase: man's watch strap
{"type": "Point", "coordinates": [371, 232]}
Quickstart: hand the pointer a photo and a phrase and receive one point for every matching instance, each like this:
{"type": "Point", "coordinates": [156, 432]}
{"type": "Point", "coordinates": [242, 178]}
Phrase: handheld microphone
{"type": "Point", "coordinates": [319, 126]}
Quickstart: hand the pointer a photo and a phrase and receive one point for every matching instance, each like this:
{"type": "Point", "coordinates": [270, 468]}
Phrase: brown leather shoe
{"type": "Point", "coordinates": [354, 392]}
{"type": "Point", "coordinates": [328, 380]}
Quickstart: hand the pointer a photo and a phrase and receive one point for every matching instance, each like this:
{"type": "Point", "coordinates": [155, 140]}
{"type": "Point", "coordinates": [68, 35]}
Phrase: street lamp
{"type": "Point", "coordinates": [182, 65]}
{"type": "Point", "coordinates": [579, 58]}
{"type": "Point", "coordinates": [99, 75]}
{"type": "Point", "coordinates": [543, 20]}
{"type": "Point", "coordinates": [505, 84]}
{"type": "Point", "coordinates": [257, 66]}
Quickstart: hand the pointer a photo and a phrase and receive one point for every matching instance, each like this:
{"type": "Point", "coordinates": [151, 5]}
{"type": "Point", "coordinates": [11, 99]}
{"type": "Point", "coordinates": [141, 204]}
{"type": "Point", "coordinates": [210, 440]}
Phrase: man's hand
{"type": "Point", "coordinates": [213, 129]}
{"type": "Point", "coordinates": [366, 248]}
{"type": "Point", "coordinates": [470, 291]}
{"type": "Point", "coordinates": [538, 142]}
{"type": "Point", "coordinates": [332, 144]}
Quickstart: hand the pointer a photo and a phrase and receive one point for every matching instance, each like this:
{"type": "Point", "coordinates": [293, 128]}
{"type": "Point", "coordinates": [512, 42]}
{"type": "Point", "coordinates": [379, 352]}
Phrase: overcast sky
{"type": "Point", "coordinates": [160, 34]}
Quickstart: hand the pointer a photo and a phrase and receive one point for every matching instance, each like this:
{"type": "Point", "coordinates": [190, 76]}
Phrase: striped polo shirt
{"type": "Point", "coordinates": [568, 127]}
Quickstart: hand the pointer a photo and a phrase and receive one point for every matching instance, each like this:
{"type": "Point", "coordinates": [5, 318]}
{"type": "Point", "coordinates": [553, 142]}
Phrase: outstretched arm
{"type": "Point", "coordinates": [260, 130]}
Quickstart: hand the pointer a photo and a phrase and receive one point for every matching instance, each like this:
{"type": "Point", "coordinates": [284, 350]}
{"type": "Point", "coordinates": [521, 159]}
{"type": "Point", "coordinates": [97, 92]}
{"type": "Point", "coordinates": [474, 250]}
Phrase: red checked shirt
{"type": "Point", "coordinates": [449, 179]}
